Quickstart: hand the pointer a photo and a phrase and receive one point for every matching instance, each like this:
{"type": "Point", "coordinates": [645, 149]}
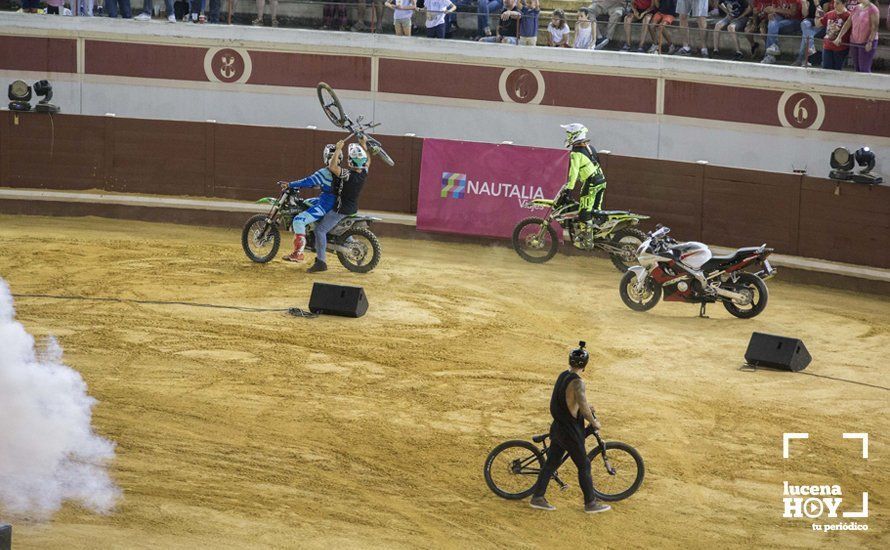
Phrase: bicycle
{"type": "Point", "coordinates": [333, 109]}
{"type": "Point", "coordinates": [519, 462]}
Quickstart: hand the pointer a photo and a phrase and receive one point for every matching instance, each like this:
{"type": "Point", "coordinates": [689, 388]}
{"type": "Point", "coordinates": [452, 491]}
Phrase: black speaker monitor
{"type": "Point", "coordinates": [778, 352]}
{"type": "Point", "coordinates": [5, 536]}
{"type": "Point", "coordinates": [347, 301]}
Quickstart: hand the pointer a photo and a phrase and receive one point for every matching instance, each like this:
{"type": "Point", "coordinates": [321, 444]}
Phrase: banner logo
{"type": "Point", "coordinates": [454, 185]}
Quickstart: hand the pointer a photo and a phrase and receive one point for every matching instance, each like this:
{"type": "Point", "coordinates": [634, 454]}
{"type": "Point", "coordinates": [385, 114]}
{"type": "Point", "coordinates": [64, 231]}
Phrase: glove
{"type": "Point", "coordinates": [563, 198]}
{"type": "Point", "coordinates": [283, 184]}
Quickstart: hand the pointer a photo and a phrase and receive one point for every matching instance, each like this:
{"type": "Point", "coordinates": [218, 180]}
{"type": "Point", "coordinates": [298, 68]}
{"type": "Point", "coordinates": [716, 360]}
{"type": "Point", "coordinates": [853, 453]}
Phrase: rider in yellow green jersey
{"type": "Point", "coordinates": [584, 167]}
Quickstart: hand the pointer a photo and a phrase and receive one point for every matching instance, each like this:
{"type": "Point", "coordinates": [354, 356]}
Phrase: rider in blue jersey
{"type": "Point", "coordinates": [321, 205]}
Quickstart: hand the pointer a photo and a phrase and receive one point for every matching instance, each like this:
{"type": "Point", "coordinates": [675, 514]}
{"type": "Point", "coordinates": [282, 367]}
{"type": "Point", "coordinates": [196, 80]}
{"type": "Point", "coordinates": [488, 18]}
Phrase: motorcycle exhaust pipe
{"type": "Point", "coordinates": [730, 294]}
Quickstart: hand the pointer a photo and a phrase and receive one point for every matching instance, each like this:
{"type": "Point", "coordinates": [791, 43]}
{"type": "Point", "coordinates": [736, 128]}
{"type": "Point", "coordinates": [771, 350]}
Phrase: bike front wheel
{"type": "Point", "coordinates": [535, 240]}
{"type": "Point", "coordinates": [626, 475]}
{"type": "Point", "coordinates": [330, 104]}
{"type": "Point", "coordinates": [260, 239]}
{"type": "Point", "coordinates": [511, 469]}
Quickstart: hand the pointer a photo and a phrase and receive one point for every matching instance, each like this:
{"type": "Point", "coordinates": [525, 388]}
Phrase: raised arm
{"type": "Point", "coordinates": [363, 141]}
{"type": "Point", "coordinates": [334, 163]}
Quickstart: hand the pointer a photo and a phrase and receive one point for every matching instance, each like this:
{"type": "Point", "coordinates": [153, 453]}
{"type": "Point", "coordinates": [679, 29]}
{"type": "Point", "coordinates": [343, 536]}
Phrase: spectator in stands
{"type": "Point", "coordinates": [376, 14]}
{"type": "Point", "coordinates": [584, 32]}
{"type": "Point", "coordinates": [558, 30]}
{"type": "Point", "coordinates": [528, 24]}
{"type": "Point", "coordinates": [403, 11]}
{"type": "Point", "coordinates": [640, 13]}
{"type": "Point", "coordinates": [486, 8]}
{"type": "Point", "coordinates": [508, 25]}
{"type": "Point", "coordinates": [435, 17]}
{"type": "Point", "coordinates": [699, 10]}
{"type": "Point", "coordinates": [147, 9]}
{"type": "Point", "coordinates": [30, 6]}
{"type": "Point", "coordinates": [52, 8]}
{"type": "Point", "coordinates": [335, 15]}
{"type": "Point", "coordinates": [615, 10]}
{"type": "Point", "coordinates": [196, 11]}
{"type": "Point", "coordinates": [665, 12]}
{"type": "Point", "coordinates": [834, 56]}
{"type": "Point", "coordinates": [784, 15]}
{"type": "Point", "coordinates": [863, 27]}
{"type": "Point", "coordinates": [214, 11]}
{"type": "Point", "coordinates": [757, 23]}
{"type": "Point", "coordinates": [260, 8]}
{"type": "Point", "coordinates": [810, 11]}
{"type": "Point", "coordinates": [735, 19]}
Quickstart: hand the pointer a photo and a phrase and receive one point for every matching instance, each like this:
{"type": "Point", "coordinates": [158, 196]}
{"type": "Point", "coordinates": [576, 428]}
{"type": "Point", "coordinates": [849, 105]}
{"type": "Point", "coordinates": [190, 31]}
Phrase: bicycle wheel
{"type": "Point", "coordinates": [331, 104]}
{"type": "Point", "coordinates": [627, 465]}
{"type": "Point", "coordinates": [511, 469]}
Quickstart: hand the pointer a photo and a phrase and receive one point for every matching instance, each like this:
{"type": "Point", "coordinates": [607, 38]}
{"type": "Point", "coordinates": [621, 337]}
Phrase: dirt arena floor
{"type": "Point", "coordinates": [242, 430]}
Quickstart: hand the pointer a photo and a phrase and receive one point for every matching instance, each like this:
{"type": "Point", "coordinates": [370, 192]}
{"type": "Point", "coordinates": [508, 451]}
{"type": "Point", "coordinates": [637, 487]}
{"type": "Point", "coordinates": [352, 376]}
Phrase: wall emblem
{"type": "Point", "coordinates": [227, 65]}
{"type": "Point", "coordinates": [801, 110]}
{"type": "Point", "coordinates": [521, 86]}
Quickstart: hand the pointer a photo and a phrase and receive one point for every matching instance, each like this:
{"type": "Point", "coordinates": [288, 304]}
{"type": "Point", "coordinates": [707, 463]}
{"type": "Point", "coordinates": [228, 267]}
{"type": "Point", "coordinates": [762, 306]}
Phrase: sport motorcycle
{"type": "Point", "coordinates": [536, 240]}
{"type": "Point", "coordinates": [352, 240]}
{"type": "Point", "coordinates": [689, 272]}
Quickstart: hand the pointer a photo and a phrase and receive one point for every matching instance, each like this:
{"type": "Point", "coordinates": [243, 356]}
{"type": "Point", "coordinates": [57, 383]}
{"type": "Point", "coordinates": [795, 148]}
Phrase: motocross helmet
{"type": "Point", "coordinates": [579, 357]}
{"type": "Point", "coordinates": [358, 158]}
{"type": "Point", "coordinates": [575, 133]}
{"type": "Point", "coordinates": [329, 152]}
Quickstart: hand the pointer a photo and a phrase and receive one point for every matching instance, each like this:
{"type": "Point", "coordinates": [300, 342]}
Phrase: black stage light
{"type": "Point", "coordinates": [865, 158]}
{"type": "Point", "coordinates": [842, 164]}
{"type": "Point", "coordinates": [44, 89]}
{"type": "Point", "coordinates": [19, 96]}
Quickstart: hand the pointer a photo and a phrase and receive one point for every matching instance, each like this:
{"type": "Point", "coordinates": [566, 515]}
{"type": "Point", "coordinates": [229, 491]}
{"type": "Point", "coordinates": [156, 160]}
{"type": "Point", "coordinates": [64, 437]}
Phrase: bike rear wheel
{"type": "Point", "coordinates": [363, 253]}
{"type": "Point", "coordinates": [260, 239]}
{"type": "Point", "coordinates": [628, 471]}
{"type": "Point", "coordinates": [628, 239]}
{"type": "Point", "coordinates": [330, 104]}
{"type": "Point", "coordinates": [511, 469]}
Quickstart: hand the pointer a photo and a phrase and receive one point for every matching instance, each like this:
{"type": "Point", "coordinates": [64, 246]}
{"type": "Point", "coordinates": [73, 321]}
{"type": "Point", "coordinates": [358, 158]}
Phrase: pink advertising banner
{"type": "Point", "coordinates": [479, 188]}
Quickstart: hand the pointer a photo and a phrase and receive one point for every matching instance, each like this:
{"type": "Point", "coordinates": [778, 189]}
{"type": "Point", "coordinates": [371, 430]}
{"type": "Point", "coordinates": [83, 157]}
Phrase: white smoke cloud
{"type": "Point", "coordinates": [48, 451]}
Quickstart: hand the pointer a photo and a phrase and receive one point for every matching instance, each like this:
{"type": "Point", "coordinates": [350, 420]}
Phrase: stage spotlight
{"type": "Point", "coordinates": [44, 89]}
{"type": "Point", "coordinates": [865, 158]}
{"type": "Point", "coordinates": [842, 164]}
{"type": "Point", "coordinates": [19, 96]}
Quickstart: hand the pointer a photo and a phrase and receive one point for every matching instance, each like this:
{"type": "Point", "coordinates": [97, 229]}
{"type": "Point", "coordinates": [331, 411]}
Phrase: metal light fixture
{"type": "Point", "coordinates": [19, 96]}
{"type": "Point", "coordinates": [842, 164]}
{"type": "Point", "coordinates": [865, 158]}
{"type": "Point", "coordinates": [45, 90]}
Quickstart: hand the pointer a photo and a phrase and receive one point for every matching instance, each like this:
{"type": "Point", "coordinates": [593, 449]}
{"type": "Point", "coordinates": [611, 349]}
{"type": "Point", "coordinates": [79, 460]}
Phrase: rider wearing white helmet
{"type": "Point", "coordinates": [584, 166]}
{"type": "Point", "coordinates": [347, 185]}
{"type": "Point", "coordinates": [324, 203]}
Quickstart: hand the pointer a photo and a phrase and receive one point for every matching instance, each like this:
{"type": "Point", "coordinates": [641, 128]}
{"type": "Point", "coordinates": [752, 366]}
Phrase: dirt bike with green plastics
{"type": "Point", "coordinates": [356, 246]}
{"type": "Point", "coordinates": [536, 240]}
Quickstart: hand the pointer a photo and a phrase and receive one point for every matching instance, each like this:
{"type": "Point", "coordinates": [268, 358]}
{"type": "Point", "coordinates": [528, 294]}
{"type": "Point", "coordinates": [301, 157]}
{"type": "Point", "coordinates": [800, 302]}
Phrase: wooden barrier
{"type": "Point", "coordinates": [793, 213]}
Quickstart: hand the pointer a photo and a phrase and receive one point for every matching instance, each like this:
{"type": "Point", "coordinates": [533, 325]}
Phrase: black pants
{"type": "Point", "coordinates": [560, 444]}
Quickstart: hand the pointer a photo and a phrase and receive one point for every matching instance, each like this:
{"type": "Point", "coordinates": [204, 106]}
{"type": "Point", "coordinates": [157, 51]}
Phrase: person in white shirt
{"type": "Point", "coordinates": [583, 31]}
{"type": "Point", "coordinates": [558, 30]}
{"type": "Point", "coordinates": [403, 11]}
{"type": "Point", "coordinates": [435, 17]}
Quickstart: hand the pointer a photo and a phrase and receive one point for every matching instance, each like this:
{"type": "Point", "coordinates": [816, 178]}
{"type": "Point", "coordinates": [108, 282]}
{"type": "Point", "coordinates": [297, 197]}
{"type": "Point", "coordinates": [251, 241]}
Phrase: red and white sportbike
{"type": "Point", "coordinates": [689, 272]}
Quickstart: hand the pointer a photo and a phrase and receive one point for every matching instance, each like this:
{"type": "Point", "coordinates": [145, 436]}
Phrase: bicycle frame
{"type": "Point", "coordinates": [600, 445]}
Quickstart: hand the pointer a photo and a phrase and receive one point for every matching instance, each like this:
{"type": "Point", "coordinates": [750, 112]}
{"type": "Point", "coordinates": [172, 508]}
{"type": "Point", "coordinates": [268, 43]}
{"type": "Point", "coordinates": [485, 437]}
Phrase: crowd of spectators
{"type": "Point", "coordinates": [846, 28]}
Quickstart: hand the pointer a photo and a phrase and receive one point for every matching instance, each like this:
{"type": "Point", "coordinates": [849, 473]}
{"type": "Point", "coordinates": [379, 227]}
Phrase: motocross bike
{"type": "Point", "coordinates": [352, 240]}
{"type": "Point", "coordinates": [512, 468]}
{"type": "Point", "coordinates": [536, 240]}
{"type": "Point", "coordinates": [689, 272]}
{"type": "Point", "coordinates": [333, 109]}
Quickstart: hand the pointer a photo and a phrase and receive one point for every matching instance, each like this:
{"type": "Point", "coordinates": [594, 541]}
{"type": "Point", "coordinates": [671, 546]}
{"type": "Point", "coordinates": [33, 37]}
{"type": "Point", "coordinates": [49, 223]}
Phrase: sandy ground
{"type": "Point", "coordinates": [239, 430]}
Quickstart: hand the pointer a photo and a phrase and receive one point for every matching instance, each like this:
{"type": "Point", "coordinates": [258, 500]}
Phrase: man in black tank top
{"type": "Point", "coordinates": [567, 433]}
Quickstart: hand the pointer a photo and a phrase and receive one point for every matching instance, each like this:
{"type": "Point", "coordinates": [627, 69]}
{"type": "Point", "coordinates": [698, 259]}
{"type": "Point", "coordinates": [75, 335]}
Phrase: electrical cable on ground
{"type": "Point", "coordinates": [753, 368]}
{"type": "Point", "coordinates": [295, 311]}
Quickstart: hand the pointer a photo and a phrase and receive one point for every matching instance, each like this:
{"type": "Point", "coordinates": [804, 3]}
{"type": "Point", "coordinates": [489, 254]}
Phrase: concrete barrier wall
{"type": "Point", "coordinates": [741, 115]}
{"type": "Point", "coordinates": [796, 214]}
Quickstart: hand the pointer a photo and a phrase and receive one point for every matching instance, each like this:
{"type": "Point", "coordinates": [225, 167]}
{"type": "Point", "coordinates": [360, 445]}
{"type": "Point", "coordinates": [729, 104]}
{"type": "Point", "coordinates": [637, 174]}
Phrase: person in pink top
{"type": "Point", "coordinates": [863, 27]}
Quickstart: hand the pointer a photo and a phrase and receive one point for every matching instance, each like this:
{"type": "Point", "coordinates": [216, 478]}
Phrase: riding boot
{"type": "Point", "coordinates": [297, 254]}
